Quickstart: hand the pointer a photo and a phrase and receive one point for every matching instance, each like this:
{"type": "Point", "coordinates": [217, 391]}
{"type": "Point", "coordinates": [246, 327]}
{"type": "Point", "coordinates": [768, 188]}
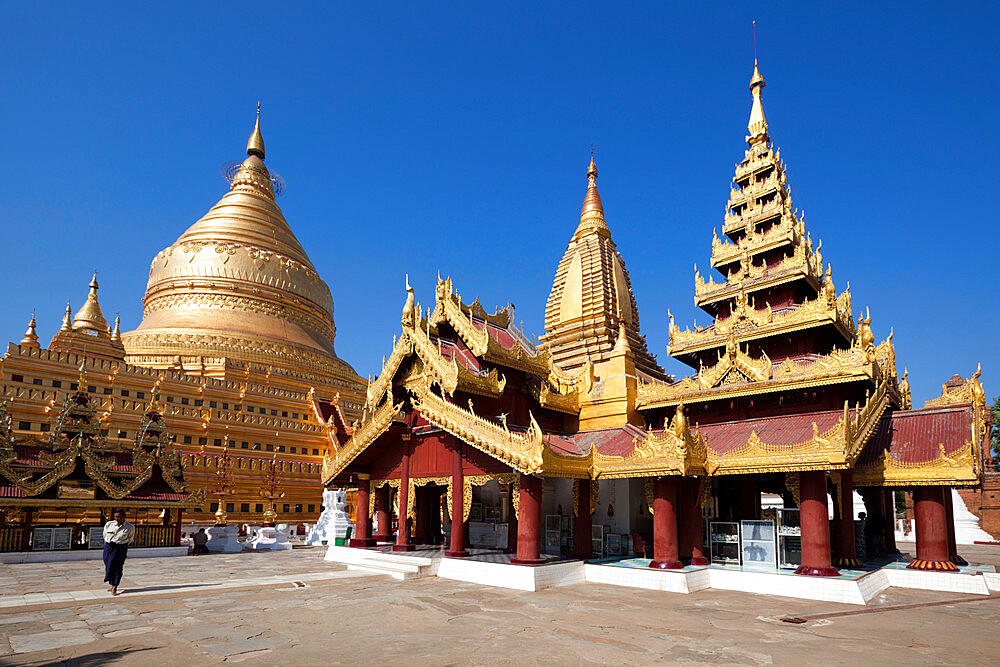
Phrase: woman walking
{"type": "Point", "coordinates": [118, 533]}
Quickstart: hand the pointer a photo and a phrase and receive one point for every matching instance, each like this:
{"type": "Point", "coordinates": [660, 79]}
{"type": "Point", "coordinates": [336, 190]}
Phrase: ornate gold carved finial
{"type": "Point", "coordinates": [255, 146]}
{"type": "Point", "coordinates": [408, 308]}
{"type": "Point", "coordinates": [757, 125]}
{"type": "Point", "coordinates": [592, 202]}
{"type": "Point", "coordinates": [116, 333]}
{"type": "Point", "coordinates": [680, 423]}
{"type": "Point", "coordinates": [31, 336]}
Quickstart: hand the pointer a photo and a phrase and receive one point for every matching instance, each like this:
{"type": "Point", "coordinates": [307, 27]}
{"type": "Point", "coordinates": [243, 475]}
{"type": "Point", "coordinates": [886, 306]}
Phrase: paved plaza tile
{"type": "Point", "coordinates": [248, 608]}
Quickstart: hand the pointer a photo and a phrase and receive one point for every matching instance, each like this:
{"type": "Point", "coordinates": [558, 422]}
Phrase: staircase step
{"type": "Point", "coordinates": [396, 571]}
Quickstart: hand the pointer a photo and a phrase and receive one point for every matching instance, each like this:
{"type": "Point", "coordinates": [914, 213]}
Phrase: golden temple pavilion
{"type": "Point", "coordinates": [236, 340]}
{"type": "Point", "coordinates": [474, 432]}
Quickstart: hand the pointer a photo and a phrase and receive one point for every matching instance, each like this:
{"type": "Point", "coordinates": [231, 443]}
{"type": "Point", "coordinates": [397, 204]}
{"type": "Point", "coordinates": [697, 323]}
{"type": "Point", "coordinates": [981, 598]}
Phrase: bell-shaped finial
{"type": "Point", "coordinates": [30, 336]}
{"type": "Point", "coordinates": [255, 146]}
{"type": "Point", "coordinates": [116, 333]}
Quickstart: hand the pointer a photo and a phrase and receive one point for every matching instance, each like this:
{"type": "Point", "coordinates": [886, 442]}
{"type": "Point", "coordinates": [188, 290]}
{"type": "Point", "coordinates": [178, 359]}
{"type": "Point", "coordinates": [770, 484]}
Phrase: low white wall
{"type": "Point", "coordinates": [88, 554]}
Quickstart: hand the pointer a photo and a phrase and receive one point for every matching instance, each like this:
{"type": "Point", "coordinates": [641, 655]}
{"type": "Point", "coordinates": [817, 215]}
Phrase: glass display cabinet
{"type": "Point", "coordinates": [725, 537]}
{"type": "Point", "coordinates": [758, 545]}
{"type": "Point", "coordinates": [789, 539]}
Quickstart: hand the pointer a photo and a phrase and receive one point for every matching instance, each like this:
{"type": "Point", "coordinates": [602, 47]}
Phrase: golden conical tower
{"type": "Point", "coordinates": [590, 290]}
{"type": "Point", "coordinates": [238, 287]}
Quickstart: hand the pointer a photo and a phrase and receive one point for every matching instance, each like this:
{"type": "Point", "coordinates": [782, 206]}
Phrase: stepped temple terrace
{"type": "Point", "coordinates": [580, 447]}
{"type": "Point", "coordinates": [236, 346]}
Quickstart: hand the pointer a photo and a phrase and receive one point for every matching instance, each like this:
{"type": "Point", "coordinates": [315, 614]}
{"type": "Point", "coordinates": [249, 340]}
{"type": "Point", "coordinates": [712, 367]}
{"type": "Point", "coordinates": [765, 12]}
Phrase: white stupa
{"type": "Point", "coordinates": [333, 522]}
{"type": "Point", "coordinates": [967, 530]}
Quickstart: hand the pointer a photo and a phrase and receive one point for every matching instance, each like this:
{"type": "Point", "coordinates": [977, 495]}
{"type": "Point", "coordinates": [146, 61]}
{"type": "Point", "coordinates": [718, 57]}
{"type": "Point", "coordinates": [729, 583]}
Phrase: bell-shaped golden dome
{"type": "Point", "coordinates": [238, 285]}
{"type": "Point", "coordinates": [90, 317]}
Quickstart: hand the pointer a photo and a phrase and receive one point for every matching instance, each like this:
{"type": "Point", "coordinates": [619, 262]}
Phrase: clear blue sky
{"type": "Point", "coordinates": [455, 137]}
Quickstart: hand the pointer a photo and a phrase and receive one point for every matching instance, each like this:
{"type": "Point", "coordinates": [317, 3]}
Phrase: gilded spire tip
{"type": "Point", "coordinates": [255, 146]}
{"type": "Point", "coordinates": [757, 125]}
{"type": "Point", "coordinates": [592, 202]}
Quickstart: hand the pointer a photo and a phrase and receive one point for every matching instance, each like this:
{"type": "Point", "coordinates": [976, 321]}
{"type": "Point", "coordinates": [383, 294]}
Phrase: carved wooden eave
{"type": "Point", "coordinates": [656, 455]}
{"type": "Point", "coordinates": [758, 278]}
{"type": "Point", "coordinates": [824, 451]}
{"type": "Point", "coordinates": [784, 233]}
{"type": "Point", "coordinates": [568, 403]}
{"type": "Point", "coordinates": [735, 367]}
{"type": "Point", "coordinates": [460, 317]}
{"type": "Point", "coordinates": [812, 313]}
{"type": "Point", "coordinates": [378, 388]}
{"type": "Point", "coordinates": [836, 448]}
{"type": "Point", "coordinates": [959, 468]}
{"type": "Point", "coordinates": [364, 435]}
{"type": "Point", "coordinates": [521, 451]}
{"type": "Point", "coordinates": [850, 365]}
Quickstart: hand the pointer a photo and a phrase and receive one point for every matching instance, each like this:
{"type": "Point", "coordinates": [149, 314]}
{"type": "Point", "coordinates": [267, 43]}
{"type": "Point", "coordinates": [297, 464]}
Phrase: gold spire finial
{"type": "Point", "coordinates": [31, 336]}
{"type": "Point", "coordinates": [67, 323]}
{"type": "Point", "coordinates": [255, 146]}
{"type": "Point", "coordinates": [90, 317]}
{"type": "Point", "coordinates": [757, 125]}
{"type": "Point", "coordinates": [592, 202]}
{"type": "Point", "coordinates": [116, 333]}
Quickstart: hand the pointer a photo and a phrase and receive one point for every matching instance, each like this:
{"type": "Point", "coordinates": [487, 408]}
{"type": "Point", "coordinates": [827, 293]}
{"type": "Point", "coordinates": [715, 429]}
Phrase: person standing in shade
{"type": "Point", "coordinates": [118, 534]}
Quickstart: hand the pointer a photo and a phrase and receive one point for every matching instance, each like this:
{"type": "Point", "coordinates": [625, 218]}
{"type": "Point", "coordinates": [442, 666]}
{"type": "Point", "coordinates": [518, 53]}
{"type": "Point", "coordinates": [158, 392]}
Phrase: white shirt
{"type": "Point", "coordinates": [123, 534]}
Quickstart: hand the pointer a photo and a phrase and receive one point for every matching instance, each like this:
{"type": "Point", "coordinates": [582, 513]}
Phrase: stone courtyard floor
{"type": "Point", "coordinates": [293, 608]}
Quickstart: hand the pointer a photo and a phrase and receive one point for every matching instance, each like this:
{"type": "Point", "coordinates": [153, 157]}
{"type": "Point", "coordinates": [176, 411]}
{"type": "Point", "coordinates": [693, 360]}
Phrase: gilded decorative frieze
{"type": "Point", "coordinates": [959, 468]}
{"type": "Point", "coordinates": [521, 451]}
{"type": "Point", "coordinates": [751, 324]}
{"type": "Point", "coordinates": [364, 435]}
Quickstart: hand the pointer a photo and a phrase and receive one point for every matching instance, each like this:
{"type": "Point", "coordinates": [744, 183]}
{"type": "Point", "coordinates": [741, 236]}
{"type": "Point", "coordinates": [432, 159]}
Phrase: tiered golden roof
{"type": "Point", "coordinates": [590, 294]}
{"type": "Point", "coordinates": [774, 284]}
{"type": "Point", "coordinates": [238, 286]}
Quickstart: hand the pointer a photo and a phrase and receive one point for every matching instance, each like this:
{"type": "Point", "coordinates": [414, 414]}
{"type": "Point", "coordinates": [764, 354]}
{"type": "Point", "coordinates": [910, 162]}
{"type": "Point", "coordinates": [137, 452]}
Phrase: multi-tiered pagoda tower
{"type": "Point", "coordinates": [783, 339]}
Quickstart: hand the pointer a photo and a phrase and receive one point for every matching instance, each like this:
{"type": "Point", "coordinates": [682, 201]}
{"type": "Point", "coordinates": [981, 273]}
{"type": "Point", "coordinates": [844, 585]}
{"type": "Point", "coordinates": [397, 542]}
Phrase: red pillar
{"type": "Point", "coordinates": [665, 550]}
{"type": "Point", "coordinates": [529, 525]}
{"type": "Point", "coordinates": [950, 518]}
{"type": "Point", "coordinates": [844, 523]}
{"type": "Point", "coordinates": [690, 524]}
{"type": "Point", "coordinates": [582, 546]}
{"type": "Point", "coordinates": [815, 525]}
{"type": "Point", "coordinates": [363, 538]}
{"type": "Point", "coordinates": [383, 518]}
{"type": "Point", "coordinates": [932, 530]}
{"type": "Point", "coordinates": [177, 528]}
{"type": "Point", "coordinates": [457, 549]}
{"type": "Point", "coordinates": [403, 532]}
{"type": "Point", "coordinates": [511, 523]}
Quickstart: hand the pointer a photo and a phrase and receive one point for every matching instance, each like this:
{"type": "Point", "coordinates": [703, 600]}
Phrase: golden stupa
{"type": "Point", "coordinates": [237, 288]}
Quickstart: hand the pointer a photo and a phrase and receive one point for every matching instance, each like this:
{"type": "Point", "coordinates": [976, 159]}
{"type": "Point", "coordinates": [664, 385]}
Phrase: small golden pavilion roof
{"type": "Point", "coordinates": [90, 317]}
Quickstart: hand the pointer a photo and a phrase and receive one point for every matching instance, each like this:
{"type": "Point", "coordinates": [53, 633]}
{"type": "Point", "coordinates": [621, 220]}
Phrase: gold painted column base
{"type": "Point", "coordinates": [933, 565]}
